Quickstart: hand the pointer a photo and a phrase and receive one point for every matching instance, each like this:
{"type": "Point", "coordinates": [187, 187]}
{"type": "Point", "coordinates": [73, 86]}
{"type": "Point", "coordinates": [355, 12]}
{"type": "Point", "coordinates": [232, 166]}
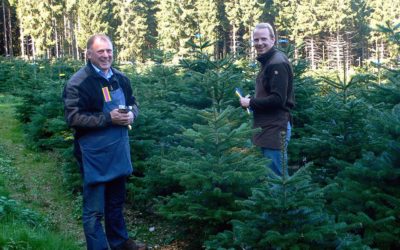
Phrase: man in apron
{"type": "Point", "coordinates": [101, 144]}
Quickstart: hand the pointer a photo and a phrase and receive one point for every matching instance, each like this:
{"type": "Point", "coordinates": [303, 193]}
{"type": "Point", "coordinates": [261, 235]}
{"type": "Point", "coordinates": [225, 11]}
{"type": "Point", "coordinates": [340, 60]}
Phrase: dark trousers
{"type": "Point", "coordinates": [104, 200]}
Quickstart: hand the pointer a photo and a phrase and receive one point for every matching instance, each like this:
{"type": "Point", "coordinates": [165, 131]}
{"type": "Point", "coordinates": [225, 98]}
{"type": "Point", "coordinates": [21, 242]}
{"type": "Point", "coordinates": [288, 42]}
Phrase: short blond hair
{"type": "Point", "coordinates": [265, 26]}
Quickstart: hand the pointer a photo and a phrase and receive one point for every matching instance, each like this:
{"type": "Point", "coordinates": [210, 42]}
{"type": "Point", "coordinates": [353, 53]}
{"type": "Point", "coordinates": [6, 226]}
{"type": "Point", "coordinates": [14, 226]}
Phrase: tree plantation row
{"type": "Point", "coordinates": [329, 33]}
{"type": "Point", "coordinates": [197, 170]}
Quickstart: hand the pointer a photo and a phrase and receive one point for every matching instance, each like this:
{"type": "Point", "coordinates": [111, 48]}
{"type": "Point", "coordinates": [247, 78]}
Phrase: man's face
{"type": "Point", "coordinates": [101, 54]}
{"type": "Point", "coordinates": [262, 40]}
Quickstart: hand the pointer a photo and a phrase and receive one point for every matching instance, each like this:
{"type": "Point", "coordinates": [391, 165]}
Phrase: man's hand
{"type": "Point", "coordinates": [123, 119]}
{"type": "Point", "coordinates": [245, 101]}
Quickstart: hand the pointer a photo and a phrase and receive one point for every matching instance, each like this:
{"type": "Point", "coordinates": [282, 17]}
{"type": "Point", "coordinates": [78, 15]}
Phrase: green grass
{"type": "Point", "coordinates": [35, 210]}
{"type": "Point", "coordinates": [18, 235]}
{"type": "Point", "coordinates": [35, 178]}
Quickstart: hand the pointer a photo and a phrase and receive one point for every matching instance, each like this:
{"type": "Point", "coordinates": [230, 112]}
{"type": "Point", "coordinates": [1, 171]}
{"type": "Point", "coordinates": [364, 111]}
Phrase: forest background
{"type": "Point", "coordinates": [197, 174]}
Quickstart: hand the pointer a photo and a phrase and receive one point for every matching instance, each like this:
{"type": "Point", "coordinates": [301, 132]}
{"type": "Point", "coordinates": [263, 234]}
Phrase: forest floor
{"type": "Point", "coordinates": [39, 185]}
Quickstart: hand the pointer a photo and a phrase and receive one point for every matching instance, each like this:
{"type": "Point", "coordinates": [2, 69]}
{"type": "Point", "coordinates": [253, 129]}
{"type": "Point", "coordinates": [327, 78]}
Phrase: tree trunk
{"type": "Point", "coordinates": [225, 48]}
{"type": "Point", "coordinates": [21, 37]}
{"type": "Point", "coordinates": [33, 49]}
{"type": "Point", "coordinates": [10, 36]}
{"type": "Point", "coordinates": [234, 40]}
{"type": "Point", "coordinates": [338, 50]}
{"type": "Point", "coordinates": [65, 39]}
{"type": "Point", "coordinates": [253, 51]}
{"type": "Point", "coordinates": [5, 28]}
{"type": "Point", "coordinates": [57, 48]}
{"type": "Point", "coordinates": [312, 52]}
{"type": "Point", "coordinates": [75, 42]}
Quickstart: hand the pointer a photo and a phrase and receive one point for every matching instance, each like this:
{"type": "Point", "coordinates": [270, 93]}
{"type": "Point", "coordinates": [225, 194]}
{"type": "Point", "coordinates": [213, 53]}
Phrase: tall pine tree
{"type": "Point", "coordinates": [92, 18]}
{"type": "Point", "coordinates": [132, 29]}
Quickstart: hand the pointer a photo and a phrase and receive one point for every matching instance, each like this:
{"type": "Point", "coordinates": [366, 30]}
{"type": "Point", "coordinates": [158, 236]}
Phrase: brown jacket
{"type": "Point", "coordinates": [274, 97]}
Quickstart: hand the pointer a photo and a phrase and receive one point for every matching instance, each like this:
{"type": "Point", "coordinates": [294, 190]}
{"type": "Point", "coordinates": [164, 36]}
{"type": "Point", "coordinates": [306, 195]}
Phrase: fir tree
{"type": "Point", "coordinates": [132, 29]}
{"type": "Point", "coordinates": [251, 13]}
{"type": "Point", "coordinates": [168, 27]}
{"type": "Point", "coordinates": [214, 171]}
{"type": "Point", "coordinates": [384, 12]}
{"type": "Point", "coordinates": [157, 90]}
{"type": "Point", "coordinates": [361, 29]}
{"type": "Point", "coordinates": [340, 135]}
{"type": "Point", "coordinates": [289, 214]}
{"type": "Point", "coordinates": [336, 15]}
{"type": "Point", "coordinates": [233, 14]}
{"type": "Point", "coordinates": [367, 193]}
{"type": "Point", "coordinates": [286, 19]}
{"type": "Point", "coordinates": [308, 15]}
{"type": "Point", "coordinates": [213, 164]}
{"type": "Point", "coordinates": [177, 24]}
{"type": "Point", "coordinates": [92, 19]}
{"type": "Point", "coordinates": [209, 23]}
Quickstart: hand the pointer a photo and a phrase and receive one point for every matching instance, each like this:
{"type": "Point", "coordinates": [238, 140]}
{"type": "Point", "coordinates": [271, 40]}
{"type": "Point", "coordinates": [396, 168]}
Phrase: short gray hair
{"type": "Point", "coordinates": [265, 26]}
{"type": "Point", "coordinates": [93, 38]}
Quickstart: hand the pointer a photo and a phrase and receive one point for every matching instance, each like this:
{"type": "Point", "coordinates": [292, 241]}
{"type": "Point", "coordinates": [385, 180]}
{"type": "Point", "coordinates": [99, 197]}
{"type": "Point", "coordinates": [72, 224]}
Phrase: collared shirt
{"type": "Point", "coordinates": [109, 73]}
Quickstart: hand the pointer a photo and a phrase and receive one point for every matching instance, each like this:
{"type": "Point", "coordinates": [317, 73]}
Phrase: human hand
{"type": "Point", "coordinates": [245, 101]}
{"type": "Point", "coordinates": [119, 118]}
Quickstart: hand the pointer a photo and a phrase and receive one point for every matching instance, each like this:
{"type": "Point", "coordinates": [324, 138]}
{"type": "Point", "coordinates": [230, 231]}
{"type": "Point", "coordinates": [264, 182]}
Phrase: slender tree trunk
{"type": "Point", "coordinates": [363, 52]}
{"type": "Point", "coordinates": [65, 39]}
{"type": "Point", "coordinates": [347, 59]}
{"type": "Point", "coordinates": [10, 36]}
{"type": "Point", "coordinates": [225, 47]}
{"type": "Point", "coordinates": [345, 64]}
{"type": "Point", "coordinates": [337, 50]}
{"type": "Point", "coordinates": [312, 53]}
{"type": "Point", "coordinates": [216, 50]}
{"type": "Point", "coordinates": [57, 48]}
{"type": "Point", "coordinates": [75, 42]}
{"type": "Point", "coordinates": [250, 40]}
{"type": "Point", "coordinates": [5, 28]}
{"type": "Point", "coordinates": [70, 38]}
{"type": "Point", "coordinates": [234, 40]}
{"type": "Point", "coordinates": [253, 52]}
{"type": "Point", "coordinates": [21, 37]}
{"type": "Point", "coordinates": [33, 48]}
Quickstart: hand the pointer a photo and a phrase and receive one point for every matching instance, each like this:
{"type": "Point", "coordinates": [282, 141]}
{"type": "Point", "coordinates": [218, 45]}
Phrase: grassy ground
{"type": "Point", "coordinates": [35, 180]}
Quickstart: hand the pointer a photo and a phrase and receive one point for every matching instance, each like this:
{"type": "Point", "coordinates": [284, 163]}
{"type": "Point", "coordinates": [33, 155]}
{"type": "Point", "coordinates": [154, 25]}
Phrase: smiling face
{"type": "Point", "coordinates": [100, 54]}
{"type": "Point", "coordinates": [263, 40]}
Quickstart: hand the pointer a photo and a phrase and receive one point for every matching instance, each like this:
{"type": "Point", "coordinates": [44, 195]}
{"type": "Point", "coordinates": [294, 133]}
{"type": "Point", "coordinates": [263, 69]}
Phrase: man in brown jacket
{"type": "Point", "coordinates": [273, 98]}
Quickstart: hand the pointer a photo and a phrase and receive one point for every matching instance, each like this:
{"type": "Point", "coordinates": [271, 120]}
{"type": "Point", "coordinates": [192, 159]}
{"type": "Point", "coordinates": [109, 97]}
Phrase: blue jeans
{"type": "Point", "coordinates": [104, 200]}
{"type": "Point", "coordinates": [276, 155]}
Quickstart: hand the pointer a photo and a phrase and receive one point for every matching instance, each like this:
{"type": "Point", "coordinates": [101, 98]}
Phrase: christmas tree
{"type": "Point", "coordinates": [214, 165]}
{"type": "Point", "coordinates": [287, 214]}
